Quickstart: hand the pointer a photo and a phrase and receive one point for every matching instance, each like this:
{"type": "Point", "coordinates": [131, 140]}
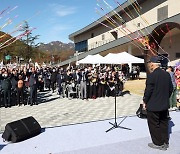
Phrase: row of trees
{"type": "Point", "coordinates": [26, 48]}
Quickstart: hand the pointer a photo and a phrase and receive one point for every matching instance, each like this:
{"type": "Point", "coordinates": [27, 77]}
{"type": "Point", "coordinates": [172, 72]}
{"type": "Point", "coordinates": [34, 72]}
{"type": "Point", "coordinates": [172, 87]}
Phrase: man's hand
{"type": "Point", "coordinates": [144, 106]}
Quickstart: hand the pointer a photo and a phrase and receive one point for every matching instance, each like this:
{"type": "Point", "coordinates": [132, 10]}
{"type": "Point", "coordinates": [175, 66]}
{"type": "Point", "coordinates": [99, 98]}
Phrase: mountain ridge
{"type": "Point", "coordinates": [56, 46]}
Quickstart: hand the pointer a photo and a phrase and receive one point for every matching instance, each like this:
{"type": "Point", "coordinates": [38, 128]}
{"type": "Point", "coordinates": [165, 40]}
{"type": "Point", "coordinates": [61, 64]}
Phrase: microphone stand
{"type": "Point", "coordinates": [115, 125]}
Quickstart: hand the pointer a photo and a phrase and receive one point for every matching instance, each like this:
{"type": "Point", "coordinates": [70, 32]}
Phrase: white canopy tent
{"type": "Point", "coordinates": [121, 58]}
{"type": "Point", "coordinates": [174, 62]}
{"type": "Point", "coordinates": [91, 59]}
{"type": "Point", "coordinates": [85, 60]}
{"type": "Point", "coordinates": [111, 58]}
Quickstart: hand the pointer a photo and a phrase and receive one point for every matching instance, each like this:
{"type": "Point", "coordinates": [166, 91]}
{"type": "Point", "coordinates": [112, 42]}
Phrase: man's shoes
{"type": "Point", "coordinates": [166, 145]}
{"type": "Point", "coordinates": [160, 147]}
{"type": "Point", "coordinates": [174, 108]}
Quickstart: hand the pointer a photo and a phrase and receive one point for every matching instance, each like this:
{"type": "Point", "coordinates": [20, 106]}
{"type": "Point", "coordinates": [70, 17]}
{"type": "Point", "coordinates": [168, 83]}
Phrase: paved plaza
{"type": "Point", "coordinates": [54, 111]}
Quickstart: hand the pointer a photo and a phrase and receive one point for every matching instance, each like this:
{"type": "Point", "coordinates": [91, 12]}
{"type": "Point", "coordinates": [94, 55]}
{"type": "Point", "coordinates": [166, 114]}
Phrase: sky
{"type": "Point", "coordinates": [53, 20]}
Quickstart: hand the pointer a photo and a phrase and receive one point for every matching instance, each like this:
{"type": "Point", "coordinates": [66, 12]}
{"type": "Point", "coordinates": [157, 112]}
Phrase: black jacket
{"type": "Point", "coordinates": [53, 77]}
{"type": "Point", "coordinates": [158, 90]}
{"type": "Point", "coordinates": [14, 80]}
{"type": "Point", "coordinates": [81, 76]}
{"type": "Point", "coordinates": [6, 84]}
{"type": "Point", "coordinates": [33, 80]}
{"type": "Point", "coordinates": [59, 78]}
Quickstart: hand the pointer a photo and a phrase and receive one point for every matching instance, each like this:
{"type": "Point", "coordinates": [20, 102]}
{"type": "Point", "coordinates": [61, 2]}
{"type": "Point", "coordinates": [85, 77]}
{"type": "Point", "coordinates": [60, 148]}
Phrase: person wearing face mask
{"type": "Point", "coordinates": [6, 87]}
{"type": "Point", "coordinates": [44, 73]}
{"type": "Point", "coordinates": [53, 79]}
{"type": "Point", "coordinates": [14, 78]}
{"type": "Point", "coordinates": [47, 78]}
{"type": "Point", "coordinates": [33, 87]}
{"type": "Point", "coordinates": [59, 82]}
{"type": "Point", "coordinates": [83, 80]}
{"type": "Point", "coordinates": [156, 101]}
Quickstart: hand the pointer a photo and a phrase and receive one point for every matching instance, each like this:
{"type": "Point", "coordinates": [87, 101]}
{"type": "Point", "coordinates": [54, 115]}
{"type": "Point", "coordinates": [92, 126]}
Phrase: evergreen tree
{"type": "Point", "coordinates": [30, 45]}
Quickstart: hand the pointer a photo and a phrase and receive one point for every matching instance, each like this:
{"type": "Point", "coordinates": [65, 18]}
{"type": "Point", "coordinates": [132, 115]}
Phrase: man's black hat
{"type": "Point", "coordinates": [155, 59]}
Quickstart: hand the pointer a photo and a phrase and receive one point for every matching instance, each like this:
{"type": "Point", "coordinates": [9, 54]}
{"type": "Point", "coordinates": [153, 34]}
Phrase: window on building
{"type": "Point", "coordinates": [178, 55]}
{"type": "Point", "coordinates": [138, 24]}
{"type": "Point", "coordinates": [92, 35]}
{"type": "Point", "coordinates": [103, 37]}
{"type": "Point", "coordinates": [123, 22]}
{"type": "Point", "coordinates": [81, 46]}
{"type": "Point", "coordinates": [162, 13]}
{"type": "Point", "coordinates": [115, 35]}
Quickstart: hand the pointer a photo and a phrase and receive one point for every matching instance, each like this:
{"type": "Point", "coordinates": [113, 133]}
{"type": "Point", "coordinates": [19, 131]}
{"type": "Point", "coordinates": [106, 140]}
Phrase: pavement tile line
{"type": "Point", "coordinates": [55, 111]}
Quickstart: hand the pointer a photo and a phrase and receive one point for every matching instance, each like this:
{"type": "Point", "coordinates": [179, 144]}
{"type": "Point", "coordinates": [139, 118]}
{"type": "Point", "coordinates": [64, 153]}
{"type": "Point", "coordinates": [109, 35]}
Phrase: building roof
{"type": "Point", "coordinates": [120, 41]}
{"type": "Point", "coordinates": [94, 24]}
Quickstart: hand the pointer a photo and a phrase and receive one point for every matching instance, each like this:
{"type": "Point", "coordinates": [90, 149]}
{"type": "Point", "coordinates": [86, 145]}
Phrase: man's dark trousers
{"type": "Point", "coordinates": [7, 97]}
{"type": "Point", "coordinates": [158, 126]}
{"type": "Point", "coordinates": [33, 94]}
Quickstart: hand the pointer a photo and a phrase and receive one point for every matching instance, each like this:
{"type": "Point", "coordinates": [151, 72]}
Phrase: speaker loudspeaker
{"type": "Point", "coordinates": [21, 130]}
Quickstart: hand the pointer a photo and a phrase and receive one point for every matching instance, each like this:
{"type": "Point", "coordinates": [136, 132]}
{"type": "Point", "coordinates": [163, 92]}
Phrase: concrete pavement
{"type": "Point", "coordinates": [53, 111]}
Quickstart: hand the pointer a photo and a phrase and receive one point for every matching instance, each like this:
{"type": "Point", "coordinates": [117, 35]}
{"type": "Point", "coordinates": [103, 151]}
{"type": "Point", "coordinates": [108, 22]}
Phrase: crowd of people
{"type": "Point", "coordinates": [20, 85]}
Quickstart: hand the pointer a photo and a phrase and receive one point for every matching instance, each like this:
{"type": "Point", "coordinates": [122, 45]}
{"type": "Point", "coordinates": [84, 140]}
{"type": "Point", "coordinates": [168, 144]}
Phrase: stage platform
{"type": "Point", "coordinates": [91, 138]}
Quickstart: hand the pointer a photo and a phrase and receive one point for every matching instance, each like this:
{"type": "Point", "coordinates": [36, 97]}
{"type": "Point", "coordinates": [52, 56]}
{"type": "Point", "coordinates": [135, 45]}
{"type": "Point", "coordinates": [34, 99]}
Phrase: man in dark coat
{"type": "Point", "coordinates": [59, 82]}
{"type": "Point", "coordinates": [53, 79]}
{"type": "Point", "coordinates": [14, 79]}
{"type": "Point", "coordinates": [47, 81]}
{"type": "Point", "coordinates": [156, 101]}
{"type": "Point", "coordinates": [33, 87]}
{"type": "Point", "coordinates": [6, 87]}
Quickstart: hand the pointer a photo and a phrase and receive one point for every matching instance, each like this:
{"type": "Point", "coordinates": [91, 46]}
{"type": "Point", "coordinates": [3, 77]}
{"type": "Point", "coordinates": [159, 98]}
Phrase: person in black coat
{"type": "Point", "coordinates": [59, 82]}
{"type": "Point", "coordinates": [14, 79]}
{"type": "Point", "coordinates": [47, 80]}
{"type": "Point", "coordinates": [33, 87]}
{"type": "Point", "coordinates": [6, 87]}
{"type": "Point", "coordinates": [53, 79]}
{"type": "Point", "coordinates": [156, 100]}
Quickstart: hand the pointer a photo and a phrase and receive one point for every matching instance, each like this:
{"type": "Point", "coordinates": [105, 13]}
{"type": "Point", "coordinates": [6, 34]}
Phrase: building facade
{"type": "Point", "coordinates": [129, 28]}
